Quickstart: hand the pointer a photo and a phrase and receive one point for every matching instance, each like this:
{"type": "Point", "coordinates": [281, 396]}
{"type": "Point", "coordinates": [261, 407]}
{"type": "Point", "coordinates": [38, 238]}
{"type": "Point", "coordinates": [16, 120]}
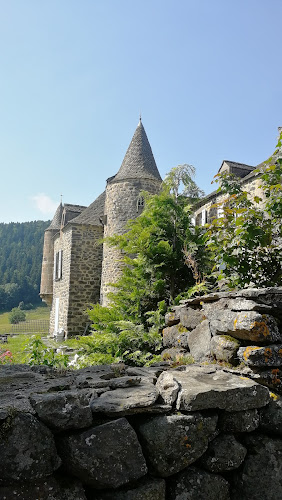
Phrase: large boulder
{"type": "Point", "coordinates": [63, 410]}
{"type": "Point", "coordinates": [208, 387]}
{"type": "Point", "coordinates": [260, 477]}
{"type": "Point", "coordinates": [105, 456]}
{"type": "Point", "coordinates": [199, 341]}
{"type": "Point", "coordinates": [247, 325]}
{"type": "Point", "coordinates": [175, 336]}
{"type": "Point", "coordinates": [239, 421]}
{"type": "Point", "coordinates": [196, 484]}
{"type": "Point", "coordinates": [50, 489]}
{"type": "Point", "coordinates": [27, 449]}
{"type": "Point", "coordinates": [172, 442]}
{"type": "Point", "coordinates": [149, 489]}
{"type": "Point", "coordinates": [191, 318]}
{"type": "Point", "coordinates": [224, 348]}
{"type": "Point", "coordinates": [271, 417]}
{"type": "Point", "coordinates": [224, 453]}
{"type": "Point", "coordinates": [270, 355]}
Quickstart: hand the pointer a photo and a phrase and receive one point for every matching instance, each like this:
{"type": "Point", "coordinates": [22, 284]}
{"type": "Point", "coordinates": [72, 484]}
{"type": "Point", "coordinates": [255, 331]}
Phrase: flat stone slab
{"type": "Point", "coordinates": [120, 401]}
{"type": "Point", "coordinates": [206, 387]}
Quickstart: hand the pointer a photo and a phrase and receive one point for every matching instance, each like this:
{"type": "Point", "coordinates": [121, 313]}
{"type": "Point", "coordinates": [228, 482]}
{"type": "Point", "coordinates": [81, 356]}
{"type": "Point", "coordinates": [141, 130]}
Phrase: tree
{"type": "Point", "coordinates": [153, 247]}
{"type": "Point", "coordinates": [246, 240]}
{"type": "Point", "coordinates": [16, 315]}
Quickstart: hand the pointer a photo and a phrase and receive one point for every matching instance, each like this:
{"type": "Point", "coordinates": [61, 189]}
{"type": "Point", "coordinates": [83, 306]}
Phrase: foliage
{"type": "Point", "coordinates": [20, 262]}
{"type": "Point", "coordinates": [246, 240]}
{"type": "Point", "coordinates": [117, 340]}
{"type": "Point", "coordinates": [16, 315]}
{"type": "Point", "coordinates": [40, 354]}
{"type": "Point", "coordinates": [155, 268]}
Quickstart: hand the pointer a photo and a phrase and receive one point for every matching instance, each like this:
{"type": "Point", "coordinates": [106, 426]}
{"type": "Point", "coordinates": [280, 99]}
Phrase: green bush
{"type": "Point", "coordinates": [16, 315]}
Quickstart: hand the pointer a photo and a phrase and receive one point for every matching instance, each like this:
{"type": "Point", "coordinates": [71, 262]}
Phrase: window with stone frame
{"type": "Point", "coordinates": [140, 203]}
{"type": "Point", "coordinates": [58, 265]}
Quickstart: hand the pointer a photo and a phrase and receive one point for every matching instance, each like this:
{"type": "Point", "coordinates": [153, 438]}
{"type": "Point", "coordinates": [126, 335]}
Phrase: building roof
{"type": "Point", "coordinates": [92, 214]}
{"type": "Point", "coordinates": [74, 208]}
{"type": "Point", "coordinates": [139, 161]}
{"type": "Point", "coordinates": [56, 221]}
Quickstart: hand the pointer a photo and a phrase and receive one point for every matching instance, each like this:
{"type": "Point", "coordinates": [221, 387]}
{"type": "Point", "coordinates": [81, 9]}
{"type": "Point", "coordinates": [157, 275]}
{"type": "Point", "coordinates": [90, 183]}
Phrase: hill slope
{"type": "Point", "coordinates": [21, 247]}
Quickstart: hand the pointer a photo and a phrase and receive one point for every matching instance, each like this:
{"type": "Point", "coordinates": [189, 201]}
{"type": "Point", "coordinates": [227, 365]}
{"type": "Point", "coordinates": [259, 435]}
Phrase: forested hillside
{"type": "Point", "coordinates": [21, 247]}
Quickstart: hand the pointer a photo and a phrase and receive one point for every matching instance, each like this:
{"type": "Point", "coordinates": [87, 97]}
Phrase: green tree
{"type": "Point", "coordinates": [16, 315]}
{"type": "Point", "coordinates": [153, 246]}
{"type": "Point", "coordinates": [246, 240]}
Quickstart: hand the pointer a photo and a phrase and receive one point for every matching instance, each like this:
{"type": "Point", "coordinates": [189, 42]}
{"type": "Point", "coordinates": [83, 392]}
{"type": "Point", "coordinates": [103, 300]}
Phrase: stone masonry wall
{"type": "Point", "coordinates": [63, 241]}
{"type": "Point", "coordinates": [124, 433]}
{"type": "Point", "coordinates": [120, 206]}
{"type": "Point", "coordinates": [241, 328]}
{"type": "Point", "coordinates": [46, 285]}
{"type": "Point", "coordinates": [85, 275]}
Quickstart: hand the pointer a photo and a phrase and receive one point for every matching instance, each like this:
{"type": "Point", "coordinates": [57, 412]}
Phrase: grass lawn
{"type": "Point", "coordinates": [16, 345]}
{"type": "Point", "coordinates": [40, 313]}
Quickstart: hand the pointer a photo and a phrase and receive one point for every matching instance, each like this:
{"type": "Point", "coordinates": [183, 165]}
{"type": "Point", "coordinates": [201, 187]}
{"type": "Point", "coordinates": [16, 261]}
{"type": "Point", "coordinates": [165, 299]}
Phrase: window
{"type": "Point", "coordinates": [140, 203]}
{"type": "Point", "coordinates": [204, 217]}
{"type": "Point", "coordinates": [58, 265]}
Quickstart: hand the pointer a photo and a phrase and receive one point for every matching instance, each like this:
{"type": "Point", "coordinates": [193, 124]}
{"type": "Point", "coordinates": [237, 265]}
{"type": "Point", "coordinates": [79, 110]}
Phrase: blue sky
{"type": "Point", "coordinates": [75, 74]}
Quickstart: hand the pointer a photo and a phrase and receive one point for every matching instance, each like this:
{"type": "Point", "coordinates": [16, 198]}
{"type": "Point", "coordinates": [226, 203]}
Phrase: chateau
{"type": "Point", "coordinates": [76, 267]}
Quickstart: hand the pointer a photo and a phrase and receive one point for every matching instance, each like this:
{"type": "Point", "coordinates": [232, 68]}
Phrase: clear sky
{"type": "Point", "coordinates": [75, 74]}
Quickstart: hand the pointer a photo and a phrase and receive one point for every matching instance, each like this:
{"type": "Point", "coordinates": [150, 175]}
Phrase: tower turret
{"type": "Point", "coordinates": [46, 285]}
{"type": "Point", "coordinates": [138, 172]}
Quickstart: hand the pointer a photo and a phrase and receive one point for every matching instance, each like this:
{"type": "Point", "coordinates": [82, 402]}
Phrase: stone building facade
{"type": "Point", "coordinates": [77, 268]}
{"type": "Point", "coordinates": [205, 209]}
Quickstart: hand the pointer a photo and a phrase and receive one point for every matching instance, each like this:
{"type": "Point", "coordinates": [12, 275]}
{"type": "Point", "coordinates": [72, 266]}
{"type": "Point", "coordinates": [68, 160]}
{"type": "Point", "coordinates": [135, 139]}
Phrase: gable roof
{"type": "Point", "coordinates": [239, 169]}
{"type": "Point", "coordinates": [139, 161]}
{"type": "Point", "coordinates": [92, 214]}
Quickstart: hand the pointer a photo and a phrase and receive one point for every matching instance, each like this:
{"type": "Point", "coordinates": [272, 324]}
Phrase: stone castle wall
{"type": "Point", "coordinates": [85, 275]}
{"type": "Point", "coordinates": [121, 205]}
{"type": "Point", "coordinates": [63, 241]}
{"type": "Point", "coordinates": [123, 433]}
{"type": "Point", "coordinates": [46, 285]}
{"type": "Point", "coordinates": [81, 276]}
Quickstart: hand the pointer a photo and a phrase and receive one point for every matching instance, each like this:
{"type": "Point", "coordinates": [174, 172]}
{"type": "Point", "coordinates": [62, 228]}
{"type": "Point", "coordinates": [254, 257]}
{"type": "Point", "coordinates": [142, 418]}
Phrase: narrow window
{"type": "Point", "coordinates": [204, 217]}
{"type": "Point", "coordinates": [58, 265]}
{"type": "Point", "coordinates": [140, 203]}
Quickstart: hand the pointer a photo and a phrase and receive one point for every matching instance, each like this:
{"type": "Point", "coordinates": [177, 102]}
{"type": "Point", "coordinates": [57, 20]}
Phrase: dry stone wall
{"type": "Point", "coordinates": [124, 433]}
{"type": "Point", "coordinates": [243, 327]}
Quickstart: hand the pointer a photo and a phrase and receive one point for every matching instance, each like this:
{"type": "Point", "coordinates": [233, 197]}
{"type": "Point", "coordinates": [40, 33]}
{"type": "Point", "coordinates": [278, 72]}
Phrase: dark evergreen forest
{"type": "Point", "coordinates": [21, 246]}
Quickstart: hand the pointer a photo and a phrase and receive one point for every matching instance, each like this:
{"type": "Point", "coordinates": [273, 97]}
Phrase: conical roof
{"type": "Point", "coordinates": [57, 219]}
{"type": "Point", "coordinates": [139, 161]}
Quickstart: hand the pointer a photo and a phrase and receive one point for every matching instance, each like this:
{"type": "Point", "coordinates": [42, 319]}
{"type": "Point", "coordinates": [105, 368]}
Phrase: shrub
{"type": "Point", "coordinates": [16, 315]}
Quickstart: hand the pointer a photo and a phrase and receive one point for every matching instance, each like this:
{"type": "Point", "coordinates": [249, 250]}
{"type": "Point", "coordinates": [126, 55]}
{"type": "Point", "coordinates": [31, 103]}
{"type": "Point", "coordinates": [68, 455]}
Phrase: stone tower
{"type": "Point", "coordinates": [46, 286]}
{"type": "Point", "coordinates": [137, 173]}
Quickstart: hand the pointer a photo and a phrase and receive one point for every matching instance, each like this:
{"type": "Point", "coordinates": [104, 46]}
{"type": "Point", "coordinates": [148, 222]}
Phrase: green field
{"type": "Point", "coordinates": [40, 313]}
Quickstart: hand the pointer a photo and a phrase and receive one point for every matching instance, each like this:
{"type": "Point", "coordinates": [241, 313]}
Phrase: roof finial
{"type": "Point", "coordinates": [140, 117]}
{"type": "Point", "coordinates": [61, 199]}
